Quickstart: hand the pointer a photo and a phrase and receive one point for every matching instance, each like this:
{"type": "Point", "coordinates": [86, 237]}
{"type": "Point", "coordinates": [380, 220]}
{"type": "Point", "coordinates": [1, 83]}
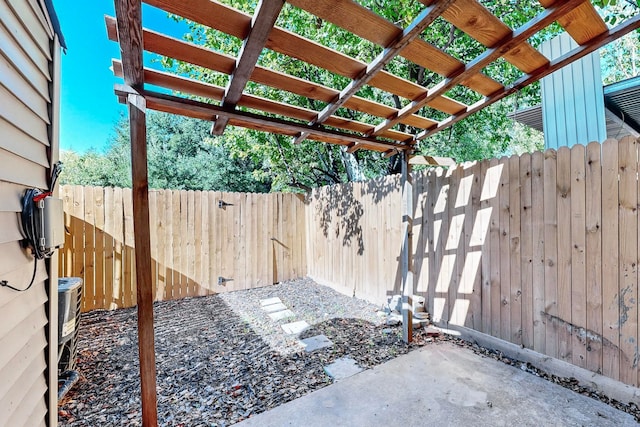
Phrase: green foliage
{"type": "Point", "coordinates": [181, 155]}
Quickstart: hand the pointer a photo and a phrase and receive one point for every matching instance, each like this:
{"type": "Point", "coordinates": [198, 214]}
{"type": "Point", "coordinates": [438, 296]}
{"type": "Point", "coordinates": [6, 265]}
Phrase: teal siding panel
{"type": "Point", "coordinates": [572, 98]}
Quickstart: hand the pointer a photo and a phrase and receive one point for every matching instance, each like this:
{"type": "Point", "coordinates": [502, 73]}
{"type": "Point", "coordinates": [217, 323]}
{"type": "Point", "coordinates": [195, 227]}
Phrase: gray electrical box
{"type": "Point", "coordinates": [53, 223]}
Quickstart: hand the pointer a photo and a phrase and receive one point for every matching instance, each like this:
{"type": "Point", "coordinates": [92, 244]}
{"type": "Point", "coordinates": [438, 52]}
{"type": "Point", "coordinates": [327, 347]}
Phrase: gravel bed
{"type": "Point", "coordinates": [220, 358]}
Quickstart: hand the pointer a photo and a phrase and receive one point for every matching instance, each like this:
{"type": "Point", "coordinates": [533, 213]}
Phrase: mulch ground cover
{"type": "Point", "coordinates": [221, 358]}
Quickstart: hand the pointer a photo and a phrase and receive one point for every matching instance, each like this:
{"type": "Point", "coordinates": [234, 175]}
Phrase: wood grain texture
{"type": "Point", "coordinates": [478, 22]}
{"type": "Point", "coordinates": [563, 205]}
{"type": "Point", "coordinates": [512, 40]}
{"type": "Point", "coordinates": [391, 50]}
{"type": "Point", "coordinates": [583, 23]}
{"type": "Point", "coordinates": [366, 24]}
{"type": "Point", "coordinates": [505, 248]}
{"type": "Point", "coordinates": [538, 255]}
{"type": "Point", "coordinates": [594, 255]}
{"type": "Point", "coordinates": [579, 246]}
{"type": "Point", "coordinates": [526, 250]}
{"type": "Point", "coordinates": [129, 21]}
{"type": "Point", "coordinates": [167, 46]}
{"type": "Point", "coordinates": [144, 285]}
{"type": "Point", "coordinates": [515, 249]}
{"type": "Point", "coordinates": [628, 256]}
{"type": "Point", "coordinates": [495, 171]}
{"type": "Point", "coordinates": [578, 256]}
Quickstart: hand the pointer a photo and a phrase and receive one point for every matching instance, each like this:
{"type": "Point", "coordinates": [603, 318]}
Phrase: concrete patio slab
{"type": "Point", "coordinates": [443, 385]}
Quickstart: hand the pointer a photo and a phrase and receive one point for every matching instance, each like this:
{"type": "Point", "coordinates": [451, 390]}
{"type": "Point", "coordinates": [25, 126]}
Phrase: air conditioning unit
{"type": "Point", "coordinates": [69, 300]}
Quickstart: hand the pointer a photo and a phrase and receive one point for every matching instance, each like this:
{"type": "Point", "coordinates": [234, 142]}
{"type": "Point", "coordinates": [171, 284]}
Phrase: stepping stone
{"type": "Point", "coordinates": [295, 327]}
{"type": "Point", "coordinates": [274, 307]}
{"type": "Point", "coordinates": [342, 368]}
{"type": "Point", "coordinates": [279, 315]}
{"type": "Point", "coordinates": [315, 343]}
{"type": "Point", "coordinates": [270, 301]}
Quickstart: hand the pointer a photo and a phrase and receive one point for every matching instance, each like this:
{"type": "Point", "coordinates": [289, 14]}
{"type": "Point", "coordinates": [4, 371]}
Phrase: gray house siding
{"type": "Point", "coordinates": [29, 79]}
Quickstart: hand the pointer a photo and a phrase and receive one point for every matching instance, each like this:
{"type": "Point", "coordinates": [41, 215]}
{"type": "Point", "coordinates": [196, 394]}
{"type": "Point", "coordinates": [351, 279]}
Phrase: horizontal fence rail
{"type": "Point", "coordinates": [202, 242]}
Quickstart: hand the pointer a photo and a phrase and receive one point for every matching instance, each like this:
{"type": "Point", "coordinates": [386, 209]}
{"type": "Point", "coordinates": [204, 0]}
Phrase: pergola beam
{"type": "Point", "coordinates": [208, 111]}
{"type": "Point", "coordinates": [129, 28]}
{"type": "Point", "coordinates": [417, 26]}
{"type": "Point", "coordinates": [264, 19]}
{"type": "Point", "coordinates": [193, 87]}
{"type": "Point", "coordinates": [515, 38]}
{"type": "Point", "coordinates": [596, 43]}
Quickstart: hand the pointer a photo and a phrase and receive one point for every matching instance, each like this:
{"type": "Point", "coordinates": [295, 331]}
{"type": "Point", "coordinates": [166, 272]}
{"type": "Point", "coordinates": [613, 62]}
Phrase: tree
{"type": "Point", "coordinates": [181, 155]}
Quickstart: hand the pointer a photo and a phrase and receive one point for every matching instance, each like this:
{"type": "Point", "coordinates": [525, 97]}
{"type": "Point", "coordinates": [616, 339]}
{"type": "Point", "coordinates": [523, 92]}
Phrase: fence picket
{"type": "Point", "coordinates": [505, 247]}
{"type": "Point", "coordinates": [118, 241]}
{"type": "Point", "coordinates": [99, 276]}
{"type": "Point", "coordinates": [610, 261]}
{"type": "Point", "coordinates": [594, 256]}
{"type": "Point", "coordinates": [492, 194]}
{"type": "Point", "coordinates": [563, 198]}
{"type": "Point", "coordinates": [550, 253]}
{"type": "Point", "coordinates": [628, 267]}
{"type": "Point", "coordinates": [77, 231]}
{"type": "Point", "coordinates": [538, 255]}
{"type": "Point", "coordinates": [578, 256]}
{"type": "Point", "coordinates": [526, 251]}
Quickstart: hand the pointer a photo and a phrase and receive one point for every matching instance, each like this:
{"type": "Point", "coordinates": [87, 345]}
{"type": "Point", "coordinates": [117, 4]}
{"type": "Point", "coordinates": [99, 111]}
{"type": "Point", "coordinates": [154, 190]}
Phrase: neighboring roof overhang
{"type": "Point", "coordinates": [623, 100]}
{"type": "Point", "coordinates": [258, 33]}
{"type": "Point", "coordinates": [622, 110]}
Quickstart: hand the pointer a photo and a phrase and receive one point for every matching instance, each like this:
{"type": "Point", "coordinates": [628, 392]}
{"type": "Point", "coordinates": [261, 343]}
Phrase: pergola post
{"type": "Point", "coordinates": [144, 285]}
{"type": "Point", "coordinates": [406, 256]}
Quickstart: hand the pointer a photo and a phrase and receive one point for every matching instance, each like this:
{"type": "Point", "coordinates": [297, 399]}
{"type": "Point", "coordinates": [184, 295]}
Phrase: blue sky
{"type": "Point", "coordinates": [89, 109]}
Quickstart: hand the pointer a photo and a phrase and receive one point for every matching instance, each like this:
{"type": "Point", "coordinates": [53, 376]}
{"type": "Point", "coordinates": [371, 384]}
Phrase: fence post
{"type": "Point", "coordinates": [406, 256]}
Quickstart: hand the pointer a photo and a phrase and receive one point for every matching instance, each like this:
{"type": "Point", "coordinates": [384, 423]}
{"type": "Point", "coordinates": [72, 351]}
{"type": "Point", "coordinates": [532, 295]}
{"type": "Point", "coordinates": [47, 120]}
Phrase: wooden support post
{"type": "Point", "coordinates": [406, 257]}
{"type": "Point", "coordinates": [144, 285]}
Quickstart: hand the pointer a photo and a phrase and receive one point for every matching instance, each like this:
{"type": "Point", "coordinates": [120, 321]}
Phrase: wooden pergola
{"type": "Point", "coordinates": [227, 105]}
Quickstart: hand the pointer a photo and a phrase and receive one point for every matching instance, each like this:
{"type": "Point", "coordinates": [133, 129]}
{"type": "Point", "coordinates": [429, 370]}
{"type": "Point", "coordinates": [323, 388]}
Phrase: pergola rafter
{"type": "Point", "coordinates": [566, 59]}
{"type": "Point", "coordinates": [220, 105]}
{"type": "Point", "coordinates": [422, 21]}
{"type": "Point", "coordinates": [265, 17]}
{"type": "Point", "coordinates": [512, 41]}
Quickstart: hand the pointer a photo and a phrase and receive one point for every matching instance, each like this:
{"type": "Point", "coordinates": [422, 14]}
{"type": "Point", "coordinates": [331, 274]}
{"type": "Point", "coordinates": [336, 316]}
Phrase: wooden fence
{"type": "Point", "coordinates": [252, 240]}
{"type": "Point", "coordinates": [354, 237]}
{"type": "Point", "coordinates": [540, 250]}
